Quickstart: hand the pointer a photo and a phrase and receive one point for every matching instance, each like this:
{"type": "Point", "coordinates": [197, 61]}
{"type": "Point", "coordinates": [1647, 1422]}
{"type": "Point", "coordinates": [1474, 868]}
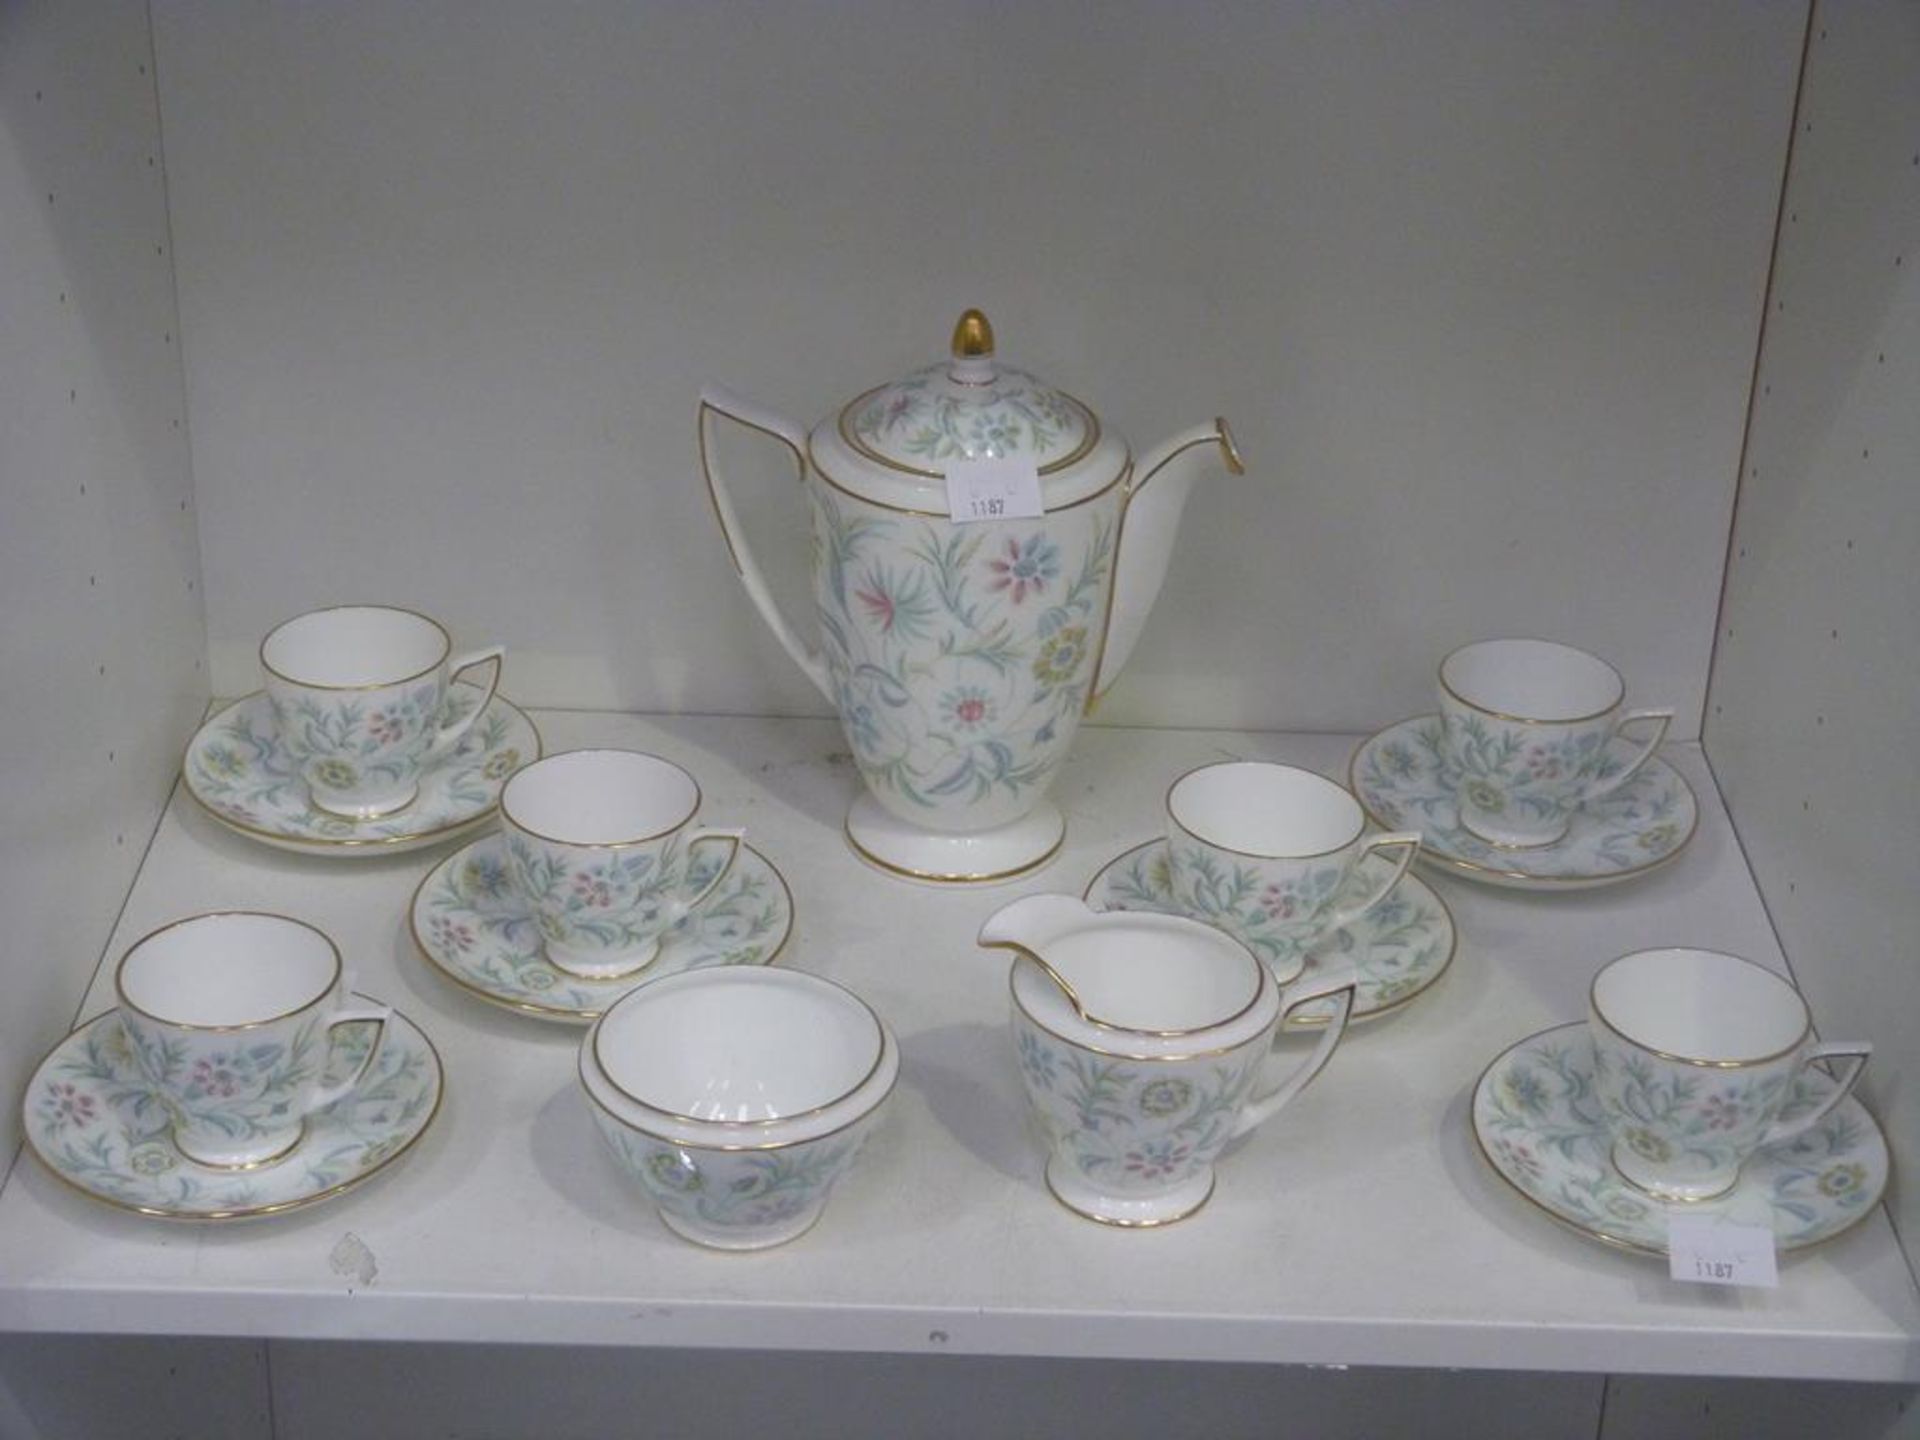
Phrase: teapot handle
{"type": "Point", "coordinates": [714, 400]}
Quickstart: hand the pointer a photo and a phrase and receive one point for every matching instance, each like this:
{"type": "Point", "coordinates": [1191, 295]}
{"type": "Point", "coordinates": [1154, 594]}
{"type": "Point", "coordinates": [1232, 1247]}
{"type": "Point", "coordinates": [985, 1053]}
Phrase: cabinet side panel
{"type": "Point", "coordinates": [103, 642]}
{"type": "Point", "coordinates": [1816, 687]}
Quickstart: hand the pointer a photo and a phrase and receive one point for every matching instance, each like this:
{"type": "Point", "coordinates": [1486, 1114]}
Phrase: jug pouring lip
{"type": "Point", "coordinates": [1061, 994]}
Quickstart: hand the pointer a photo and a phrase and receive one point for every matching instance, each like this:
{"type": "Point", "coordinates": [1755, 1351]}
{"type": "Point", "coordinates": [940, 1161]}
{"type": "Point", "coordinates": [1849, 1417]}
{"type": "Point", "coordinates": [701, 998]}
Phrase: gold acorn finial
{"type": "Point", "coordinates": [972, 336]}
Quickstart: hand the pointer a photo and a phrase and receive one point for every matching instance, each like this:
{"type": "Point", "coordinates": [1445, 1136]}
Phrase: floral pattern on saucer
{"type": "Point", "coordinates": [94, 1121]}
{"type": "Point", "coordinates": [238, 771]}
{"type": "Point", "coordinates": [1406, 782]}
{"type": "Point", "coordinates": [472, 926]}
{"type": "Point", "coordinates": [1399, 948]}
{"type": "Point", "coordinates": [1538, 1123]}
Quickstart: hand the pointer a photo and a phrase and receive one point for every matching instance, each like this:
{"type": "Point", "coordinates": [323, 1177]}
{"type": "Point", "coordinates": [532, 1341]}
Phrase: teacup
{"type": "Point", "coordinates": [231, 1017]}
{"type": "Point", "coordinates": [359, 697]}
{"type": "Point", "coordinates": [1141, 1040]}
{"type": "Point", "coordinates": [599, 845]}
{"type": "Point", "coordinates": [1695, 1054]}
{"type": "Point", "coordinates": [737, 1097]}
{"type": "Point", "coordinates": [1529, 724]}
{"type": "Point", "coordinates": [1263, 850]}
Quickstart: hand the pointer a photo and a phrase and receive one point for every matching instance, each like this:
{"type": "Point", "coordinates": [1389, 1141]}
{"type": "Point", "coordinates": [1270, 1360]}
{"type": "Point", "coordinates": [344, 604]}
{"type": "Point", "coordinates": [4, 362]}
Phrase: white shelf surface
{"type": "Point", "coordinates": [1359, 1227]}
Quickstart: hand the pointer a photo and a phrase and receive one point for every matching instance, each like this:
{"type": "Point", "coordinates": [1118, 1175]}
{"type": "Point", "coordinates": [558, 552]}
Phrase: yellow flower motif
{"type": "Point", "coordinates": [334, 774]}
{"type": "Point", "coordinates": [1484, 795]}
{"type": "Point", "coordinates": [224, 761]}
{"type": "Point", "coordinates": [1061, 655]}
{"type": "Point", "coordinates": [499, 766]}
{"type": "Point", "coordinates": [1839, 1180]}
{"type": "Point", "coordinates": [1647, 1145]}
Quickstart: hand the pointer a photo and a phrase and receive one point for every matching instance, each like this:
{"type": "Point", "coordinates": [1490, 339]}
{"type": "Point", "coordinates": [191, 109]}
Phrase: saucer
{"type": "Point", "coordinates": [92, 1119]}
{"type": "Point", "coordinates": [1539, 1126]}
{"type": "Point", "coordinates": [1399, 948]}
{"type": "Point", "coordinates": [1406, 783]}
{"type": "Point", "coordinates": [237, 771]}
{"type": "Point", "coordinates": [472, 928]}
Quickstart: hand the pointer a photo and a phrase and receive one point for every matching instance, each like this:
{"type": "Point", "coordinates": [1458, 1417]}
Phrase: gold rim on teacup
{"type": "Point", "coordinates": [120, 993]}
{"type": "Point", "coordinates": [446, 649]}
{"type": "Point", "coordinates": [506, 812]}
{"type": "Point", "coordinates": [1806, 1014]}
{"type": "Point", "coordinates": [1619, 682]}
{"type": "Point", "coordinates": [1360, 811]}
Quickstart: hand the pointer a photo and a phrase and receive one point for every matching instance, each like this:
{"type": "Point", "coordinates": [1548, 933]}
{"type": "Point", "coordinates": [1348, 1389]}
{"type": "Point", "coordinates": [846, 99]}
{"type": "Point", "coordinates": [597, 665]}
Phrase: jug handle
{"type": "Point", "coordinates": [715, 400]}
{"type": "Point", "coordinates": [1339, 980]}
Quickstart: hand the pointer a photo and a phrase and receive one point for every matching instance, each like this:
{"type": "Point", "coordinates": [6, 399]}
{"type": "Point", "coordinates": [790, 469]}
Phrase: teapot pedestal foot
{"type": "Point", "coordinates": [935, 857]}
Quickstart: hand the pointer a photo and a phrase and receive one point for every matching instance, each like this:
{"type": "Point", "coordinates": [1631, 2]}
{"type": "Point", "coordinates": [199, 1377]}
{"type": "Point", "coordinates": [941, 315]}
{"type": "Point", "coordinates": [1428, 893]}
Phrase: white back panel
{"type": "Point", "coordinates": [1476, 285]}
{"type": "Point", "coordinates": [1817, 682]}
{"type": "Point", "coordinates": [101, 652]}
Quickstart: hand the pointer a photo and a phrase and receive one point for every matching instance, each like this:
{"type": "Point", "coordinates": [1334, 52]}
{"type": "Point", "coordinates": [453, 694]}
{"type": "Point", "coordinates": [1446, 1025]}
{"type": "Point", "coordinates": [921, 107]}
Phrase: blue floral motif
{"type": "Point", "coordinates": [1134, 1127]}
{"type": "Point", "coordinates": [960, 655]}
{"type": "Point", "coordinates": [1026, 567]}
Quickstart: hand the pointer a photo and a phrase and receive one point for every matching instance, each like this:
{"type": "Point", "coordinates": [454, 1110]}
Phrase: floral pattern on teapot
{"type": "Point", "coordinates": [960, 655]}
{"type": "Point", "coordinates": [920, 418]}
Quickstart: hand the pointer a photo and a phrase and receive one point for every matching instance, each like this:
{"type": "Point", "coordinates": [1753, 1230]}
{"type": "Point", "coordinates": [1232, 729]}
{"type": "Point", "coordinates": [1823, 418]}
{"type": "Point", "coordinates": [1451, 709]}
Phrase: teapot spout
{"type": "Point", "coordinates": [1149, 523]}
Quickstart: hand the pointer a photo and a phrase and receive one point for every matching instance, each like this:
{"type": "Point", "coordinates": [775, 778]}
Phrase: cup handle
{"type": "Point", "coordinates": [1857, 1051]}
{"type": "Point", "coordinates": [450, 735]}
{"type": "Point", "coordinates": [379, 1015]}
{"type": "Point", "coordinates": [1662, 718]}
{"type": "Point", "coordinates": [734, 836]}
{"type": "Point", "coordinates": [1408, 843]}
{"type": "Point", "coordinates": [1338, 980]}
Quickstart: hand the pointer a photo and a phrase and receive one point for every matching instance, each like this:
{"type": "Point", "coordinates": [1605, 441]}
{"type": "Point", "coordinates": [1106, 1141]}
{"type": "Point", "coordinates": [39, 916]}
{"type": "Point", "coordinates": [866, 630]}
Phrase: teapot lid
{"type": "Point", "coordinates": [899, 439]}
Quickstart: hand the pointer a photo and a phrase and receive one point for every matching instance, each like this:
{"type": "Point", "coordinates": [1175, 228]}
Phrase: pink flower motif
{"type": "Point", "coordinates": [1542, 764]}
{"type": "Point", "coordinates": [1519, 1158]}
{"type": "Point", "coordinates": [216, 1076]}
{"type": "Point", "coordinates": [69, 1105]}
{"type": "Point", "coordinates": [1026, 567]}
{"type": "Point", "coordinates": [450, 934]}
{"type": "Point", "coordinates": [386, 727]}
{"type": "Point", "coordinates": [1157, 1159]}
{"type": "Point", "coordinates": [593, 890]}
{"type": "Point", "coordinates": [879, 605]}
{"type": "Point", "coordinates": [1278, 902]}
{"type": "Point", "coordinates": [1720, 1113]}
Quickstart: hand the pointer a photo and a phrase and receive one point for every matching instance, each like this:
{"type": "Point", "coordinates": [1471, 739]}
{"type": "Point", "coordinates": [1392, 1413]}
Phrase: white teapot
{"type": "Point", "coordinates": [961, 654]}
